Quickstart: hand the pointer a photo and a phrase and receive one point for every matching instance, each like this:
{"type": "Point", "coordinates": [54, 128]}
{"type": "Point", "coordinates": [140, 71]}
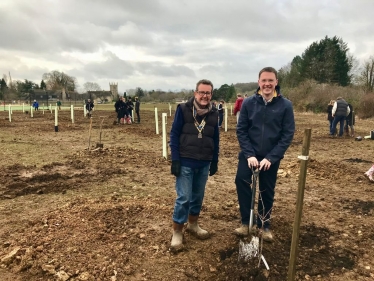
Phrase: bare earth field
{"type": "Point", "coordinates": [69, 213]}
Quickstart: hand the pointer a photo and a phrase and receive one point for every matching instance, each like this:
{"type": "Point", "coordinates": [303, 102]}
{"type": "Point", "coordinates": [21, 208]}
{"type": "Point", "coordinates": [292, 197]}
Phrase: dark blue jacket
{"type": "Point", "coordinates": [89, 105]}
{"type": "Point", "coordinates": [265, 131]}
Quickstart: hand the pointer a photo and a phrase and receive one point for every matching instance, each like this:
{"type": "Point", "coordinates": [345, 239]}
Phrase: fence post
{"type": "Point", "coordinates": [156, 120]}
{"type": "Point", "coordinates": [56, 119]}
{"type": "Point", "coordinates": [225, 119]}
{"type": "Point", "coordinates": [72, 113]}
{"type": "Point", "coordinates": [299, 204]}
{"type": "Point", "coordinates": [164, 135]}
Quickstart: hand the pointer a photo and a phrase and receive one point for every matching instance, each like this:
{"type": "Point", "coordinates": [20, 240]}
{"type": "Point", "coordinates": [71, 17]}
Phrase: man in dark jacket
{"type": "Point", "coordinates": [120, 108]}
{"type": "Point", "coordinates": [265, 130]}
{"type": "Point", "coordinates": [220, 113]}
{"type": "Point", "coordinates": [194, 143]}
{"type": "Point", "coordinates": [137, 108]}
{"type": "Point", "coordinates": [130, 107]}
{"type": "Point", "coordinates": [340, 111]}
{"type": "Point", "coordinates": [89, 107]}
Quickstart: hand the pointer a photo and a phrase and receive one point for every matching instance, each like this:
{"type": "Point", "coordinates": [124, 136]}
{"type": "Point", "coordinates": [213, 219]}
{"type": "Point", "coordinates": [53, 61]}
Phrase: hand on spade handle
{"type": "Point", "coordinates": [264, 165]}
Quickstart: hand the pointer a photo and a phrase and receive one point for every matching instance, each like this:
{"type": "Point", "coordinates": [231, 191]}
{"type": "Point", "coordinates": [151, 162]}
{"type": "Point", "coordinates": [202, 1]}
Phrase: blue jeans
{"type": "Point", "coordinates": [337, 119]}
{"type": "Point", "coordinates": [220, 119]}
{"type": "Point", "coordinates": [330, 121]}
{"type": "Point", "coordinates": [190, 188]}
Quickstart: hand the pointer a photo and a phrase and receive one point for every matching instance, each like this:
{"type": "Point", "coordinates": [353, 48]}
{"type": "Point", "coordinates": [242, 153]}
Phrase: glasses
{"type": "Point", "coordinates": [202, 93]}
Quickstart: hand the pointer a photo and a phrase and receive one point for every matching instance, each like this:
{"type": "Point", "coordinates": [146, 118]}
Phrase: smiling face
{"type": "Point", "coordinates": [267, 83]}
{"type": "Point", "coordinates": [203, 94]}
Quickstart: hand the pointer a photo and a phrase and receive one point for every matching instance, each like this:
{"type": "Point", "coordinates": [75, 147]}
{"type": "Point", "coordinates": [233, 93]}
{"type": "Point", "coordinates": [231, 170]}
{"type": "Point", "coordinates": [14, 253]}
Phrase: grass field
{"type": "Point", "coordinates": [143, 106]}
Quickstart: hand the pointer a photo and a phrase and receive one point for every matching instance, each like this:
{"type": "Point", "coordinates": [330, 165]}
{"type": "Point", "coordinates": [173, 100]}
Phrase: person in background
{"type": "Point", "coordinates": [340, 111]}
{"type": "Point", "coordinates": [329, 114]}
{"type": "Point", "coordinates": [35, 105]}
{"type": "Point", "coordinates": [130, 107]}
{"type": "Point", "coordinates": [265, 131]}
{"type": "Point", "coordinates": [194, 144]}
{"type": "Point", "coordinates": [120, 109]}
{"type": "Point", "coordinates": [370, 174]}
{"type": "Point", "coordinates": [350, 122]}
{"type": "Point", "coordinates": [238, 106]}
{"type": "Point", "coordinates": [221, 112]}
{"type": "Point", "coordinates": [58, 104]}
{"type": "Point", "coordinates": [89, 107]}
{"type": "Point", "coordinates": [137, 109]}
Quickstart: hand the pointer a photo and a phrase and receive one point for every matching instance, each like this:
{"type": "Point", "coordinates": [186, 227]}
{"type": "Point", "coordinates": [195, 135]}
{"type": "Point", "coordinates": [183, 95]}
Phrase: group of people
{"type": "Point", "coordinates": [194, 143]}
{"type": "Point", "coordinates": [35, 105]}
{"type": "Point", "coordinates": [124, 109]}
{"type": "Point", "coordinates": [340, 111]}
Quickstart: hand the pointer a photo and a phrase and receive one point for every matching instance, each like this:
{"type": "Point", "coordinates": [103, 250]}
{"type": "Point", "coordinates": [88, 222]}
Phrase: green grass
{"type": "Point", "coordinates": [108, 106]}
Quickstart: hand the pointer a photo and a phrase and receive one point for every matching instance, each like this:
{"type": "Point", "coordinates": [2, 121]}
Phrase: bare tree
{"type": "Point", "coordinates": [56, 80]}
{"type": "Point", "coordinates": [366, 77]}
{"type": "Point", "coordinates": [91, 86]}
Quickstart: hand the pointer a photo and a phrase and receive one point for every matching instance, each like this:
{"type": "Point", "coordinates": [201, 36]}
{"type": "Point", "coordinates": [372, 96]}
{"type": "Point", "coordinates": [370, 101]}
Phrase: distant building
{"type": "Point", "coordinates": [113, 87]}
{"type": "Point", "coordinates": [70, 96]}
{"type": "Point", "coordinates": [104, 96]}
{"type": "Point", "coordinates": [42, 95]}
{"type": "Point", "coordinates": [100, 96]}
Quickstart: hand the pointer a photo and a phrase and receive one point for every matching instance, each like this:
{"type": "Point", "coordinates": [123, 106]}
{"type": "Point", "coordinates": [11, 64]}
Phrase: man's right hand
{"type": "Point", "coordinates": [252, 162]}
{"type": "Point", "coordinates": [175, 168]}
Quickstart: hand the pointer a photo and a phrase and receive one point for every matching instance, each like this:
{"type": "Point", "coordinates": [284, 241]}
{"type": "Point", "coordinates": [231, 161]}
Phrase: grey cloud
{"type": "Point", "coordinates": [161, 69]}
{"type": "Point", "coordinates": [183, 40]}
{"type": "Point", "coordinates": [112, 67]}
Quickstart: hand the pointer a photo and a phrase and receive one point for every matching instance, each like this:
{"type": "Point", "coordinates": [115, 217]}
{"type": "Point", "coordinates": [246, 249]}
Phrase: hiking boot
{"type": "Point", "coordinates": [243, 230]}
{"type": "Point", "coordinates": [194, 228]}
{"type": "Point", "coordinates": [267, 235]}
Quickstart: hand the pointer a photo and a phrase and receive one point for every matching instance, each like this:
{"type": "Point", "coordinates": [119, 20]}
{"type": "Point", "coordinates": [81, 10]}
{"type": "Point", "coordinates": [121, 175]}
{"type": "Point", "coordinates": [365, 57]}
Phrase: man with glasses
{"type": "Point", "coordinates": [194, 143]}
{"type": "Point", "coordinates": [265, 130]}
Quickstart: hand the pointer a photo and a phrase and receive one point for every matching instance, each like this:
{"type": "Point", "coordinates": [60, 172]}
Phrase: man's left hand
{"type": "Point", "coordinates": [265, 164]}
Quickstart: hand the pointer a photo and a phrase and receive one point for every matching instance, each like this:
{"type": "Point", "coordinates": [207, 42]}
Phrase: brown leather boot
{"type": "Point", "coordinates": [177, 239]}
{"type": "Point", "coordinates": [194, 228]}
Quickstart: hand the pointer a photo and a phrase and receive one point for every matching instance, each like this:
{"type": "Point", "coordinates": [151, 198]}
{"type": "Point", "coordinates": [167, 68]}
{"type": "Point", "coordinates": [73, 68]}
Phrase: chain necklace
{"type": "Point", "coordinates": [199, 126]}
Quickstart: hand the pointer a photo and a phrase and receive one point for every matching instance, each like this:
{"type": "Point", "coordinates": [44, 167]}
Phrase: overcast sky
{"type": "Point", "coordinates": [171, 44]}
